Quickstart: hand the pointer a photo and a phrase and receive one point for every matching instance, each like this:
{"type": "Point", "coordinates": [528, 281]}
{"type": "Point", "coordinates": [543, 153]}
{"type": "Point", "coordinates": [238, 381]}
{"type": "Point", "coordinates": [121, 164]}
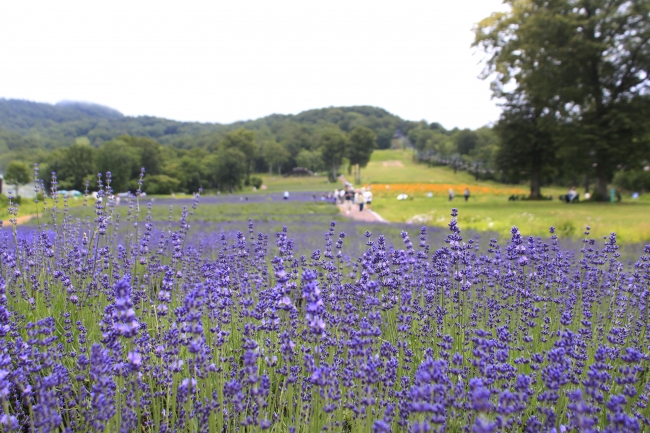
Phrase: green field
{"type": "Point", "coordinates": [235, 212]}
{"type": "Point", "coordinates": [484, 211]}
{"type": "Point", "coordinates": [629, 220]}
{"type": "Point", "coordinates": [28, 207]}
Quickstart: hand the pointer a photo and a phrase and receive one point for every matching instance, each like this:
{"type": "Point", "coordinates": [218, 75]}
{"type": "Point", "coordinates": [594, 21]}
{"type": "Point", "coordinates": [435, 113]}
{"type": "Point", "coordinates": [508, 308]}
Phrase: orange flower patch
{"type": "Point", "coordinates": [441, 189]}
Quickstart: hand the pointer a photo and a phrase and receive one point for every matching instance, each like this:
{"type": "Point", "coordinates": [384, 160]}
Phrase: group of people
{"type": "Point", "coordinates": [349, 196]}
{"type": "Point", "coordinates": [465, 194]}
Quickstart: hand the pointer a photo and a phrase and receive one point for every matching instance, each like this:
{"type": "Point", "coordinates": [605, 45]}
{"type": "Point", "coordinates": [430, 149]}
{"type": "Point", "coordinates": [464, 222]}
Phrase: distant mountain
{"type": "Point", "coordinates": [50, 126]}
{"type": "Point", "coordinates": [90, 109]}
{"type": "Point", "coordinates": [22, 116]}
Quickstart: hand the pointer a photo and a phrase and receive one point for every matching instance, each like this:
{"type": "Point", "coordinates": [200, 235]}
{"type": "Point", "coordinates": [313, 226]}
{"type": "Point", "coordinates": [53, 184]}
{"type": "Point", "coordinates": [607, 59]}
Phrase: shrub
{"type": "Point", "coordinates": [4, 200]}
{"type": "Point", "coordinates": [633, 180]}
{"type": "Point", "coordinates": [160, 184]}
{"type": "Point", "coordinates": [256, 182]}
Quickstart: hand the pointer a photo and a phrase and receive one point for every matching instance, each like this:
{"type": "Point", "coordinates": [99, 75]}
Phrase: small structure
{"type": "Point", "coordinates": [26, 190]}
{"type": "Point", "coordinates": [299, 171]}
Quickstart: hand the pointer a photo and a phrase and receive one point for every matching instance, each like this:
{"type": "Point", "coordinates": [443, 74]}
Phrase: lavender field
{"type": "Point", "coordinates": [131, 321]}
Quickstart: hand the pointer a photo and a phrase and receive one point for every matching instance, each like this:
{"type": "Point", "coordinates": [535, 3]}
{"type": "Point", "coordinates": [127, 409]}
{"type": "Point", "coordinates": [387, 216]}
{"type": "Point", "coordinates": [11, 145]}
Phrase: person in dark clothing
{"type": "Point", "coordinates": [349, 196]}
{"type": "Point", "coordinates": [466, 194]}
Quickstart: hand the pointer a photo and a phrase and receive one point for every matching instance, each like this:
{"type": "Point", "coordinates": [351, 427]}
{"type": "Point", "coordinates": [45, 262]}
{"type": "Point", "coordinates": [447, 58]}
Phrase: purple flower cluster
{"type": "Point", "coordinates": [114, 325]}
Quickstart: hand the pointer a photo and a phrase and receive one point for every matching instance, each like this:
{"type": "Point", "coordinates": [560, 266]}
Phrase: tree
{"type": "Point", "coordinates": [526, 144]}
{"type": "Point", "coordinates": [332, 144]}
{"type": "Point", "coordinates": [244, 141]}
{"type": "Point", "coordinates": [76, 164]}
{"type": "Point", "coordinates": [466, 141]}
{"type": "Point", "coordinates": [229, 168]}
{"type": "Point", "coordinates": [275, 155]}
{"type": "Point", "coordinates": [363, 142]}
{"type": "Point", "coordinates": [17, 174]}
{"type": "Point", "coordinates": [121, 160]}
{"type": "Point", "coordinates": [160, 184]}
{"type": "Point", "coordinates": [586, 63]}
{"type": "Point", "coordinates": [151, 157]}
{"type": "Point", "coordinates": [310, 159]}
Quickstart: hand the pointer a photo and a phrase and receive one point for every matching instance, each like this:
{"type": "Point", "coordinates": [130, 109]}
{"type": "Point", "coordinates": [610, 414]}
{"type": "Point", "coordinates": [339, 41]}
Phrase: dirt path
{"type": "Point", "coordinates": [367, 215]}
{"type": "Point", "coordinates": [20, 220]}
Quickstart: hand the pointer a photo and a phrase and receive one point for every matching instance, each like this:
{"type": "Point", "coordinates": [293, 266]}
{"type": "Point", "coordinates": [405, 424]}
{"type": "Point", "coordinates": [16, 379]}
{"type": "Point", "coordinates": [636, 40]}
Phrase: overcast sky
{"type": "Point", "coordinates": [228, 60]}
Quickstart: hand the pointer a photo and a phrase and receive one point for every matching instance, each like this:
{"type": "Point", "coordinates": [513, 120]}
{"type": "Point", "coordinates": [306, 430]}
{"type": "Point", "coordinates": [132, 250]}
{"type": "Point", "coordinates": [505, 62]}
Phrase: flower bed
{"type": "Point", "coordinates": [155, 326]}
{"type": "Point", "coordinates": [442, 189]}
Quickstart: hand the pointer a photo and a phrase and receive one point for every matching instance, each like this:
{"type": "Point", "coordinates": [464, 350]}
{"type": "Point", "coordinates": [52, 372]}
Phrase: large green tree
{"type": "Point", "coordinates": [526, 146]}
{"type": "Point", "coordinates": [363, 142]}
{"type": "Point", "coordinates": [244, 141]}
{"type": "Point", "coordinates": [75, 165]}
{"type": "Point", "coordinates": [466, 140]}
{"type": "Point", "coordinates": [229, 168]}
{"type": "Point", "coordinates": [584, 62]}
{"type": "Point", "coordinates": [333, 144]}
{"type": "Point", "coordinates": [17, 174]}
{"type": "Point", "coordinates": [275, 155]}
{"type": "Point", "coordinates": [121, 160]}
{"type": "Point", "coordinates": [151, 156]}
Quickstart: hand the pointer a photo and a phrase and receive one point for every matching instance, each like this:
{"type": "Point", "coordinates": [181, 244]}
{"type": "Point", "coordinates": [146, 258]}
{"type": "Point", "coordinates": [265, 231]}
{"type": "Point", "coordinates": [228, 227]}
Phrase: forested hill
{"type": "Point", "coordinates": [49, 126]}
{"type": "Point", "coordinates": [52, 126]}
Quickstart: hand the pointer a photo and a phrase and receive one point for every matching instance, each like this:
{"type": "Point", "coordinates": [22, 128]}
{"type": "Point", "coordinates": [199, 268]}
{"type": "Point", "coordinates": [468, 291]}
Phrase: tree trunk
{"type": "Point", "coordinates": [601, 192]}
{"type": "Point", "coordinates": [536, 177]}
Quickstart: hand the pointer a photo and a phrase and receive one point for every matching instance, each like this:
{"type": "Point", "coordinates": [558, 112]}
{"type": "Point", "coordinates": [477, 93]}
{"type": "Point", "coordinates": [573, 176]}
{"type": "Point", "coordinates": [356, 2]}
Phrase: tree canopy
{"type": "Point", "coordinates": [17, 174]}
{"type": "Point", "coordinates": [362, 143]}
{"type": "Point", "coordinates": [582, 64]}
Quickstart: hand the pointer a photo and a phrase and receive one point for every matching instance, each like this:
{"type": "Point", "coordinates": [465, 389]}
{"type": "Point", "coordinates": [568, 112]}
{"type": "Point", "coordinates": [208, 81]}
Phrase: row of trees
{"type": "Point", "coordinates": [474, 151]}
{"type": "Point", "coordinates": [167, 169]}
{"type": "Point", "coordinates": [224, 165]}
{"type": "Point", "coordinates": [573, 79]}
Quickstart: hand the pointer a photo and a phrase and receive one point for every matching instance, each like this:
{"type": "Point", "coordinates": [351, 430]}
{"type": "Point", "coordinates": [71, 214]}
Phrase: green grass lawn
{"type": "Point", "coordinates": [236, 212]}
{"type": "Point", "coordinates": [495, 213]}
{"type": "Point", "coordinates": [397, 166]}
{"type": "Point", "coordinates": [280, 183]}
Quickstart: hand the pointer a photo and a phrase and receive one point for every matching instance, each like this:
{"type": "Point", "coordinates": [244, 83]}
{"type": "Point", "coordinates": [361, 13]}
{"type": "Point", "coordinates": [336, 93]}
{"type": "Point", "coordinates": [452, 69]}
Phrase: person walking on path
{"type": "Point", "coordinates": [349, 196]}
{"type": "Point", "coordinates": [466, 194]}
{"type": "Point", "coordinates": [368, 196]}
{"type": "Point", "coordinates": [451, 194]}
{"type": "Point", "coordinates": [359, 199]}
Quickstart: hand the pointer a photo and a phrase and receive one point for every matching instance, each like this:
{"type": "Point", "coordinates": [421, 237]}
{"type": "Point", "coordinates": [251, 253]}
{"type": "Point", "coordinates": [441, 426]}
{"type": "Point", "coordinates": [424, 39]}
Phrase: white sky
{"type": "Point", "coordinates": [228, 60]}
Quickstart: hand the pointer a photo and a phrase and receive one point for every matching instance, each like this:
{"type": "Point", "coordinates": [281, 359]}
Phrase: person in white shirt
{"type": "Point", "coordinates": [368, 196]}
{"type": "Point", "coordinates": [359, 199]}
{"type": "Point", "coordinates": [573, 193]}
